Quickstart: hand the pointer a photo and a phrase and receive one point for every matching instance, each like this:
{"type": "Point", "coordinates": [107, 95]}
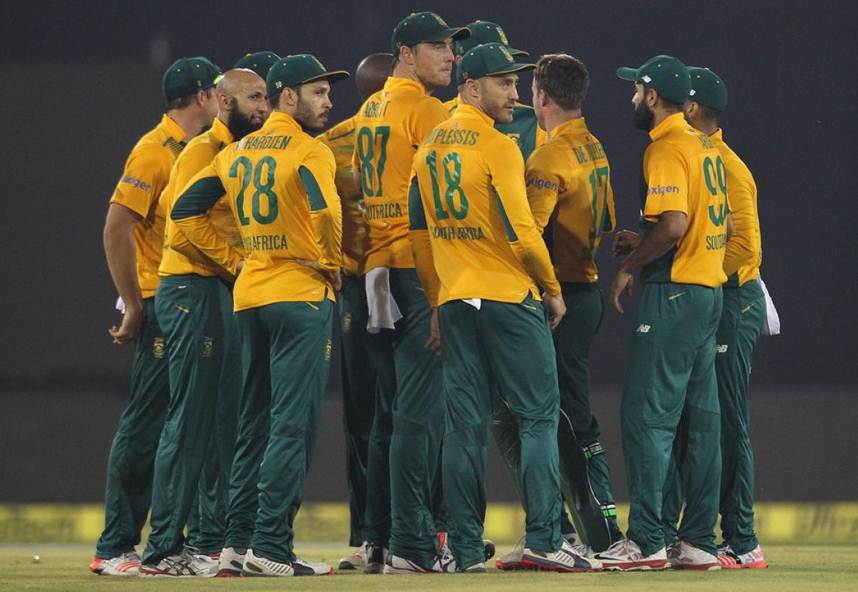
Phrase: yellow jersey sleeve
{"type": "Point", "coordinates": [146, 173]}
{"type": "Point", "coordinates": [506, 168]}
{"type": "Point", "coordinates": [544, 184]}
{"type": "Point", "coordinates": [190, 214]}
{"type": "Point", "coordinates": [421, 245]}
{"type": "Point", "coordinates": [426, 114]}
{"type": "Point", "coordinates": [317, 172]}
{"type": "Point", "coordinates": [667, 181]}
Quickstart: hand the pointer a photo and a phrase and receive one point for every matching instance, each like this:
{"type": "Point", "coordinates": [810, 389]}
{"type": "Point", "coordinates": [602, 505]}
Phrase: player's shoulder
{"type": "Point", "coordinates": [522, 111]}
{"type": "Point", "coordinates": [550, 155]}
{"type": "Point", "coordinates": [343, 130]}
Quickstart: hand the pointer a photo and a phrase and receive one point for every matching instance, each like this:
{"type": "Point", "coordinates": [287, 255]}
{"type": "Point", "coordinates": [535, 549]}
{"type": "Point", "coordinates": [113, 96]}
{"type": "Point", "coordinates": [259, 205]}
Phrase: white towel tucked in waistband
{"type": "Point", "coordinates": [772, 325]}
{"type": "Point", "coordinates": [383, 310]}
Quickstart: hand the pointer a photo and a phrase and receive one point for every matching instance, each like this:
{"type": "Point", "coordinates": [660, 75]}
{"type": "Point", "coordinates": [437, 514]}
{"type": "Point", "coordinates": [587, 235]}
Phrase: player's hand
{"type": "Point", "coordinates": [625, 241]}
{"type": "Point", "coordinates": [333, 277]}
{"type": "Point", "coordinates": [623, 281]}
{"type": "Point", "coordinates": [434, 341]}
{"type": "Point", "coordinates": [556, 309]}
{"type": "Point", "coordinates": [127, 331]}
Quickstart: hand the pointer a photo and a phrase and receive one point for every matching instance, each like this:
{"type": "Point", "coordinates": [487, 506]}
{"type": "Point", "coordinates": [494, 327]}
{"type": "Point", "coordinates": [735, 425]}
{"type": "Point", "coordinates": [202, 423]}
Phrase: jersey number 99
{"type": "Point", "coordinates": [711, 174]}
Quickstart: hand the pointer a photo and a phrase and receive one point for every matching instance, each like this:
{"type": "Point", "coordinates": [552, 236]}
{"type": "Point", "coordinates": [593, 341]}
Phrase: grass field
{"type": "Point", "coordinates": [799, 568]}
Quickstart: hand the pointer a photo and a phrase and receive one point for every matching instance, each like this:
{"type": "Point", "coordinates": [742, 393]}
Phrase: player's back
{"type": "Point", "coordinates": [146, 174]}
{"type": "Point", "coordinates": [265, 179]}
{"type": "Point", "coordinates": [341, 140]}
{"type": "Point", "coordinates": [742, 192]}
{"type": "Point", "coordinates": [198, 154]}
{"type": "Point", "coordinates": [573, 165]}
{"type": "Point", "coordinates": [691, 165]}
{"type": "Point", "coordinates": [388, 129]}
{"type": "Point", "coordinates": [468, 229]}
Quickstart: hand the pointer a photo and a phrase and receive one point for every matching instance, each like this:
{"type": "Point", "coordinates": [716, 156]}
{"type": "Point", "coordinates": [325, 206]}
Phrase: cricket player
{"type": "Point", "coordinates": [409, 408]}
{"type": "Point", "coordinates": [260, 62]}
{"type": "Point", "coordinates": [671, 375]}
{"type": "Point", "coordinates": [208, 534]}
{"type": "Point", "coordinates": [279, 184]}
{"type": "Point", "coordinates": [483, 264]}
{"type": "Point", "coordinates": [133, 234]}
{"type": "Point", "coordinates": [358, 372]}
{"type": "Point", "coordinates": [742, 319]}
{"type": "Point", "coordinates": [189, 303]}
{"type": "Point", "coordinates": [523, 128]}
{"type": "Point", "coordinates": [568, 183]}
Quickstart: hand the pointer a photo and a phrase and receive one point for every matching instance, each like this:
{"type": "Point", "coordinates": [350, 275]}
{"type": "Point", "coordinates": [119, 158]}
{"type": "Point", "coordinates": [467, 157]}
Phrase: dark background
{"type": "Point", "coordinates": [80, 84]}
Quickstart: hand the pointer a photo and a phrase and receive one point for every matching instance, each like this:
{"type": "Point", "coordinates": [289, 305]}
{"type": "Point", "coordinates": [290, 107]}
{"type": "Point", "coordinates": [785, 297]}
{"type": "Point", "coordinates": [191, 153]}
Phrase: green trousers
{"type": "Point", "coordinates": [128, 490]}
{"type": "Point", "coordinates": [286, 351]}
{"type": "Point", "coordinates": [410, 408]}
{"type": "Point", "coordinates": [671, 378]}
{"type": "Point", "coordinates": [742, 319]}
{"type": "Point", "coordinates": [572, 341]}
{"type": "Point", "coordinates": [359, 386]}
{"type": "Point", "coordinates": [213, 495]}
{"type": "Point", "coordinates": [482, 352]}
{"type": "Point", "coordinates": [189, 311]}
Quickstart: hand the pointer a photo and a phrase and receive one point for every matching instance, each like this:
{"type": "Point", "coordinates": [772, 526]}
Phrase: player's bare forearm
{"type": "Point", "coordinates": [121, 257]}
{"type": "Point", "coordinates": [669, 229]}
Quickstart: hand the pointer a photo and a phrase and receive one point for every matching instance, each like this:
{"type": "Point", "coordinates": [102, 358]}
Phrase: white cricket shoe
{"type": "Point", "coordinates": [626, 555]}
{"type": "Point", "coordinates": [255, 566]}
{"type": "Point", "coordinates": [308, 568]}
{"type": "Point", "coordinates": [356, 560]}
{"type": "Point", "coordinates": [512, 560]}
{"type": "Point", "coordinates": [127, 564]}
{"type": "Point", "coordinates": [684, 555]}
{"type": "Point", "coordinates": [186, 564]}
{"type": "Point", "coordinates": [564, 559]}
{"type": "Point", "coordinates": [753, 559]}
{"type": "Point", "coordinates": [400, 566]}
{"type": "Point", "coordinates": [231, 562]}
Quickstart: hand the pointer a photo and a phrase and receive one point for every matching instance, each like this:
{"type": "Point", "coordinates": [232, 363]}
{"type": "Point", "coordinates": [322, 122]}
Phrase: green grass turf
{"type": "Point", "coordinates": [799, 568]}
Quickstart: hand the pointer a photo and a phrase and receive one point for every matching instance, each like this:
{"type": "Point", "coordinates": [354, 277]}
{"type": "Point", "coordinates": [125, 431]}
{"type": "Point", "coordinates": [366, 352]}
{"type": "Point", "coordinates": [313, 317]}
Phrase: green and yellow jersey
{"type": "Point", "coordinates": [523, 128]}
{"type": "Point", "coordinates": [341, 140]}
{"type": "Point", "coordinates": [472, 230]}
{"type": "Point", "coordinates": [279, 184]}
{"type": "Point", "coordinates": [569, 184]}
{"type": "Point", "coordinates": [683, 171]}
{"type": "Point", "coordinates": [744, 253]}
{"type": "Point", "coordinates": [180, 256]}
{"type": "Point", "coordinates": [389, 127]}
{"type": "Point", "coordinates": [144, 177]}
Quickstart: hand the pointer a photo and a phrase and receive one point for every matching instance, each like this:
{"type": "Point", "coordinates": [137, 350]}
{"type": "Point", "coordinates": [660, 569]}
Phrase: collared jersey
{"type": "Point", "coordinates": [180, 256]}
{"type": "Point", "coordinates": [389, 127]}
{"type": "Point", "coordinates": [523, 129]}
{"type": "Point", "coordinates": [469, 203]}
{"type": "Point", "coordinates": [341, 140]}
{"type": "Point", "coordinates": [744, 253]}
{"type": "Point", "coordinates": [279, 184]}
{"type": "Point", "coordinates": [144, 177]}
{"type": "Point", "coordinates": [569, 184]}
{"type": "Point", "coordinates": [684, 172]}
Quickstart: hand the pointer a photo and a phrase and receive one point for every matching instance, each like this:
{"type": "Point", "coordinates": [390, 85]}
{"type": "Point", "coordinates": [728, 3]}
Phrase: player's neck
{"type": "Point", "coordinates": [402, 70]}
{"type": "Point", "coordinates": [188, 120]}
{"type": "Point", "coordinates": [554, 118]}
{"type": "Point", "coordinates": [660, 115]}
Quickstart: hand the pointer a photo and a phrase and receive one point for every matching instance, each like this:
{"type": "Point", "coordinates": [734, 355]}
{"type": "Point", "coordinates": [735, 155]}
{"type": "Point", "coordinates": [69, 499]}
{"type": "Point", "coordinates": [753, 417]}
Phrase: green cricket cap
{"type": "Point", "coordinates": [188, 75]}
{"type": "Point", "coordinates": [423, 27]}
{"type": "Point", "coordinates": [707, 88]}
{"type": "Point", "coordinates": [665, 74]}
{"type": "Point", "coordinates": [295, 70]}
{"type": "Point", "coordinates": [260, 62]}
{"type": "Point", "coordinates": [488, 59]}
{"type": "Point", "coordinates": [484, 32]}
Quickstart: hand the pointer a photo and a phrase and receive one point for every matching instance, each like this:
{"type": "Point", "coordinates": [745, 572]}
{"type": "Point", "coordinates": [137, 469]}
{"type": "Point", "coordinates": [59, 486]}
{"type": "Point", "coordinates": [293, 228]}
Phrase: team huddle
{"type": "Point", "coordinates": [457, 242]}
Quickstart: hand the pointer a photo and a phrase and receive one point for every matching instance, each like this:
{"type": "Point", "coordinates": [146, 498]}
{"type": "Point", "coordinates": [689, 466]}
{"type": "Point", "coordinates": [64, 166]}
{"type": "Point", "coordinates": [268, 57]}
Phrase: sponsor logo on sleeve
{"type": "Point", "coordinates": [662, 189]}
{"type": "Point", "coordinates": [136, 183]}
